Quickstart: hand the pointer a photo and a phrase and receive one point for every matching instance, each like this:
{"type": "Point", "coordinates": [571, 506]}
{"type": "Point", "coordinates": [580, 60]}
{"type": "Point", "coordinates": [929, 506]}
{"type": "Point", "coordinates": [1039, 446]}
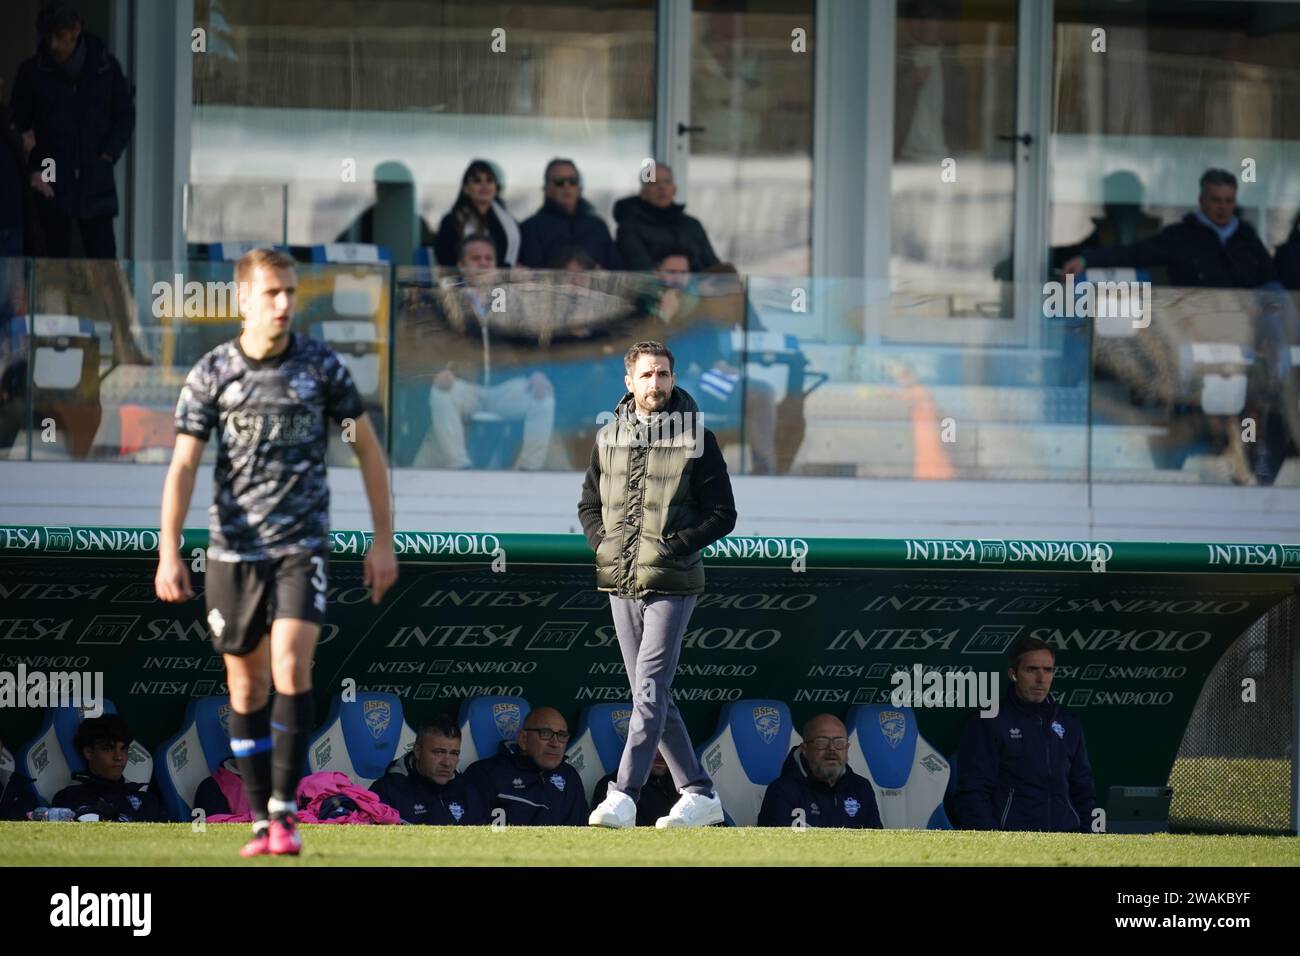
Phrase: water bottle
{"type": "Point", "coordinates": [53, 814]}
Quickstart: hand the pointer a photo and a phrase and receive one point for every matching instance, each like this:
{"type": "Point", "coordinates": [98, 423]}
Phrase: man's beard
{"type": "Point", "coordinates": [828, 774]}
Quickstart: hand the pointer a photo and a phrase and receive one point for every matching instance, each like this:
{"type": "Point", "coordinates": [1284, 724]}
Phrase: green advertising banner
{"type": "Point", "coordinates": [819, 623]}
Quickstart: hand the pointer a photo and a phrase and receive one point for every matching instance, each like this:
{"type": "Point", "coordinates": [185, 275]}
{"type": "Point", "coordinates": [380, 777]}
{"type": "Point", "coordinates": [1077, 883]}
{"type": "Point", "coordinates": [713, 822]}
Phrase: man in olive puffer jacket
{"type": "Point", "coordinates": [655, 494]}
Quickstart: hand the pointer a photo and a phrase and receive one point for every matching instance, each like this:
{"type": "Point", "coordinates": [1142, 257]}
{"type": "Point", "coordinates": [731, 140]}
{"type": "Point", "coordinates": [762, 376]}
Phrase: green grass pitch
{"type": "Point", "coordinates": [105, 844]}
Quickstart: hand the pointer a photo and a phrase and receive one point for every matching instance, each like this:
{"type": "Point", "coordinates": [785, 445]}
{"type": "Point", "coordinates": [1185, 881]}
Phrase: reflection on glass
{"type": "Point", "coordinates": [304, 98]}
{"type": "Point", "coordinates": [513, 370]}
{"type": "Point", "coordinates": [501, 369]}
{"type": "Point", "coordinates": [1206, 393]}
{"type": "Point", "coordinates": [751, 156]}
{"type": "Point", "coordinates": [955, 95]}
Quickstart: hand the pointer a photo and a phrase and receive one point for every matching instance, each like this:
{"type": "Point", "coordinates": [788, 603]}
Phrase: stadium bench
{"type": "Point", "coordinates": [745, 754]}
{"type": "Point", "coordinates": [193, 753]}
{"type": "Point", "coordinates": [908, 775]}
{"type": "Point", "coordinates": [487, 721]}
{"type": "Point", "coordinates": [597, 746]}
{"type": "Point", "coordinates": [360, 738]}
{"type": "Point", "coordinates": [49, 759]}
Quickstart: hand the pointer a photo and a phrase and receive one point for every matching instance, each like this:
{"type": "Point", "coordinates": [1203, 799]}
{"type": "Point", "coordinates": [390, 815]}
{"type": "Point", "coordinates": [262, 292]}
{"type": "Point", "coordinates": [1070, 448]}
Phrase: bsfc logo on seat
{"type": "Point", "coordinates": [505, 715]}
{"type": "Point", "coordinates": [378, 714]}
{"type": "Point", "coordinates": [893, 725]}
{"type": "Point", "coordinates": [620, 720]}
{"type": "Point", "coordinates": [767, 721]}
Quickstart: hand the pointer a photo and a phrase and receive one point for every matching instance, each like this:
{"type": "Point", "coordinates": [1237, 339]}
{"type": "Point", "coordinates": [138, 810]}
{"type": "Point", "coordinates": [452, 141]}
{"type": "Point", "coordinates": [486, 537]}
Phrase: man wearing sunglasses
{"type": "Point", "coordinates": [533, 786]}
{"type": "Point", "coordinates": [816, 787]}
{"type": "Point", "coordinates": [566, 224]}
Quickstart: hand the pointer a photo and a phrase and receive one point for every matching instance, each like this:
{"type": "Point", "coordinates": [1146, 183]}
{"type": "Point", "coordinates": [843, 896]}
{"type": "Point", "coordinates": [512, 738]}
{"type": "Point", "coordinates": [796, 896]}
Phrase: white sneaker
{"type": "Point", "coordinates": [616, 811]}
{"type": "Point", "coordinates": [692, 810]}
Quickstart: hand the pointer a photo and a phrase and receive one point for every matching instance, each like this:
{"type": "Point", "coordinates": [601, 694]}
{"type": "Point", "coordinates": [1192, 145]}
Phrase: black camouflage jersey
{"type": "Point", "coordinates": [271, 497]}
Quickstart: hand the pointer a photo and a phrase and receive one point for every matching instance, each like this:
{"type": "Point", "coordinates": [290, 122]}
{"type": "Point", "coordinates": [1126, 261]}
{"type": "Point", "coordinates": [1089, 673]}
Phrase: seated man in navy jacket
{"type": "Point", "coordinates": [657, 796]}
{"type": "Point", "coordinates": [423, 785]}
{"type": "Point", "coordinates": [533, 786]}
{"type": "Point", "coordinates": [1026, 768]}
{"type": "Point", "coordinates": [816, 787]}
{"type": "Point", "coordinates": [102, 789]}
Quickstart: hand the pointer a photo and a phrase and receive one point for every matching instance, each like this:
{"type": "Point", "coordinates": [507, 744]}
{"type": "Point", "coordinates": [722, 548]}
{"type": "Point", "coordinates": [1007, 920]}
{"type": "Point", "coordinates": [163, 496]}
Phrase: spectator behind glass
{"type": "Point", "coordinates": [1288, 257]}
{"type": "Point", "coordinates": [478, 210]}
{"type": "Point", "coordinates": [101, 789]}
{"type": "Point", "coordinates": [566, 221]}
{"type": "Point", "coordinates": [74, 107]}
{"type": "Point", "coordinates": [1211, 247]}
{"type": "Point", "coordinates": [13, 193]}
{"type": "Point", "coordinates": [652, 221]}
{"type": "Point", "coordinates": [703, 347]}
{"type": "Point", "coordinates": [1123, 223]}
{"type": "Point", "coordinates": [391, 220]}
{"type": "Point", "coordinates": [465, 388]}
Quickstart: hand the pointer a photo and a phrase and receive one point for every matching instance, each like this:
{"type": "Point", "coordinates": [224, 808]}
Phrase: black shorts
{"type": "Point", "coordinates": [244, 597]}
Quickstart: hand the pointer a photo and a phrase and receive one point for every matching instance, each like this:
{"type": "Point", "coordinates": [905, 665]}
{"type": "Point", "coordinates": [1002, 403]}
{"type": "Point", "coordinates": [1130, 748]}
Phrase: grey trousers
{"type": "Point", "coordinates": [650, 637]}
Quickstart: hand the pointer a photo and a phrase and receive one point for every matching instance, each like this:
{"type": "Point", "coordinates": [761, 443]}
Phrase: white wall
{"type": "Point", "coordinates": [63, 493]}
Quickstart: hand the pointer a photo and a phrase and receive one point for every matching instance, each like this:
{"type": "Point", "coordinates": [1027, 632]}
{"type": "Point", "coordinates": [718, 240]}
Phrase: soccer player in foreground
{"type": "Point", "coordinates": [268, 393]}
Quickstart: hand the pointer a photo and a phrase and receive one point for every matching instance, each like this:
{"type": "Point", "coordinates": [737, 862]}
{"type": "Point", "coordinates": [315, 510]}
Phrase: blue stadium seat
{"type": "Point", "coordinates": [353, 252]}
{"type": "Point", "coordinates": [360, 738]}
{"type": "Point", "coordinates": [49, 759]}
{"type": "Point", "coordinates": [950, 792]}
{"type": "Point", "coordinates": [597, 746]}
{"type": "Point", "coordinates": [424, 257]}
{"type": "Point", "coordinates": [193, 753]}
{"type": "Point", "coordinates": [7, 765]}
{"type": "Point", "coordinates": [908, 775]}
{"type": "Point", "coordinates": [485, 722]}
{"type": "Point", "coordinates": [745, 754]}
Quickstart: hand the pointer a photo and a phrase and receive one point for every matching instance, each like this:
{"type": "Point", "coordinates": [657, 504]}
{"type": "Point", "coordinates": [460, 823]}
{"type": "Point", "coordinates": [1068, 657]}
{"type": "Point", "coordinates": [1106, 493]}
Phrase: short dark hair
{"type": "Point", "coordinates": [559, 161]}
{"type": "Point", "coordinates": [1025, 646]}
{"type": "Point", "coordinates": [443, 725]}
{"type": "Point", "coordinates": [55, 18]}
{"type": "Point", "coordinates": [664, 252]}
{"type": "Point", "coordinates": [648, 348]}
{"type": "Point", "coordinates": [570, 254]}
{"type": "Point", "coordinates": [470, 240]}
{"type": "Point", "coordinates": [107, 728]}
{"type": "Point", "coordinates": [1217, 177]}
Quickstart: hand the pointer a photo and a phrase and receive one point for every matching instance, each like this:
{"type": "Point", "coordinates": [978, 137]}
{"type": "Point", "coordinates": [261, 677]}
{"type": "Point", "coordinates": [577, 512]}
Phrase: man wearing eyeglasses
{"type": "Point", "coordinates": [423, 786]}
{"type": "Point", "coordinates": [565, 224]}
{"type": "Point", "coordinates": [817, 788]}
{"type": "Point", "coordinates": [533, 786]}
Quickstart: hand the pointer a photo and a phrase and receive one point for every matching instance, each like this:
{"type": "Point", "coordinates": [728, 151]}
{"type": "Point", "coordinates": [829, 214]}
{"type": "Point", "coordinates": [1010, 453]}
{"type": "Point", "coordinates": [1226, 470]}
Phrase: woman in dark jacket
{"type": "Point", "coordinates": [478, 210]}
